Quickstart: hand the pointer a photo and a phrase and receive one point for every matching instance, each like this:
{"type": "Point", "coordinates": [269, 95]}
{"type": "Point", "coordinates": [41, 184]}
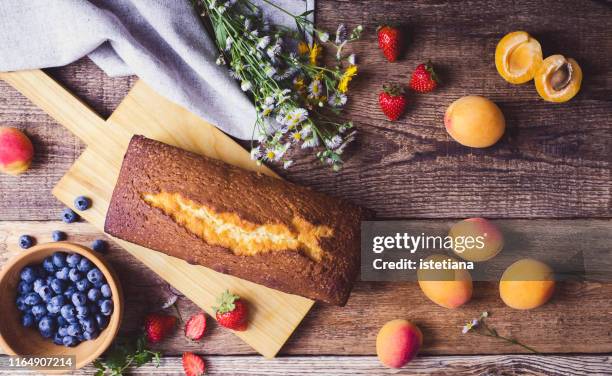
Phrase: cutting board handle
{"type": "Point", "coordinates": [60, 104]}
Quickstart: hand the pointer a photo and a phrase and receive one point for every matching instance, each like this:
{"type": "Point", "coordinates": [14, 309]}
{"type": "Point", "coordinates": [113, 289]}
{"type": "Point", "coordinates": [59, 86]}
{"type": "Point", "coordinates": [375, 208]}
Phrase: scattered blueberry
{"type": "Point", "coordinates": [23, 287]}
{"type": "Point", "coordinates": [46, 326]}
{"type": "Point", "coordinates": [70, 341]}
{"type": "Point", "coordinates": [58, 235]}
{"type": "Point", "coordinates": [85, 265]}
{"type": "Point", "coordinates": [79, 299]}
{"type": "Point", "coordinates": [32, 298]}
{"type": "Point", "coordinates": [45, 293]}
{"type": "Point", "coordinates": [106, 307]}
{"type": "Point", "coordinates": [28, 274]}
{"type": "Point", "coordinates": [26, 241]}
{"type": "Point", "coordinates": [69, 216]}
{"type": "Point", "coordinates": [27, 320]}
{"type": "Point", "coordinates": [57, 285]}
{"type": "Point", "coordinates": [48, 265]}
{"type": "Point", "coordinates": [101, 320]}
{"type": "Point", "coordinates": [74, 275]}
{"type": "Point", "coordinates": [83, 285]}
{"type": "Point", "coordinates": [94, 294]}
{"type": "Point", "coordinates": [39, 311]}
{"type": "Point", "coordinates": [106, 290]}
{"type": "Point", "coordinates": [82, 203]}
{"type": "Point", "coordinates": [95, 275]}
{"type": "Point", "coordinates": [62, 273]}
{"type": "Point", "coordinates": [99, 245]}
{"type": "Point", "coordinates": [73, 259]}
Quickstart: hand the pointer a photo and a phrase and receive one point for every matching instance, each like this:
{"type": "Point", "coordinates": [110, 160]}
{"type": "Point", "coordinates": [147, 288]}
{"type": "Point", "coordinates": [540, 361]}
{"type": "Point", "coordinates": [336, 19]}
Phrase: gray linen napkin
{"type": "Point", "coordinates": [161, 41]}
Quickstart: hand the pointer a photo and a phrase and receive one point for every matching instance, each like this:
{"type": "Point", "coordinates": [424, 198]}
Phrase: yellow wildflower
{"type": "Point", "coordinates": [346, 78]}
{"type": "Point", "coordinates": [315, 53]}
{"type": "Point", "coordinates": [303, 48]}
{"type": "Point", "coordinates": [298, 83]}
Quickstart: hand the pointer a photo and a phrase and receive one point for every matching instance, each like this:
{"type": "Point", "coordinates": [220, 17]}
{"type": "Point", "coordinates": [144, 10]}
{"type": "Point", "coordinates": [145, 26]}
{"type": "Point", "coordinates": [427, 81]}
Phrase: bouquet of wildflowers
{"type": "Point", "coordinates": [295, 95]}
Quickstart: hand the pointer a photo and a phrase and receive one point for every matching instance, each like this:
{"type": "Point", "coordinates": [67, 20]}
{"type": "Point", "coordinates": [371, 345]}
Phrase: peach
{"type": "Point", "coordinates": [558, 79]}
{"type": "Point", "coordinates": [474, 121]}
{"type": "Point", "coordinates": [527, 284]}
{"type": "Point", "coordinates": [446, 287]}
{"type": "Point", "coordinates": [398, 342]}
{"type": "Point", "coordinates": [517, 57]}
{"type": "Point", "coordinates": [476, 239]}
{"type": "Point", "coordinates": [16, 151]}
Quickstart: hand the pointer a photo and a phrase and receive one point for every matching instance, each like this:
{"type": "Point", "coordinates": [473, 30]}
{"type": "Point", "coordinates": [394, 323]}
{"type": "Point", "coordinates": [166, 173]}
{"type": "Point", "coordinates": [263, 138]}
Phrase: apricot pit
{"type": "Point", "coordinates": [558, 79]}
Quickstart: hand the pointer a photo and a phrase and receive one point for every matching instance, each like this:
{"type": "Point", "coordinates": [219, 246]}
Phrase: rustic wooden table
{"type": "Point", "coordinates": [549, 174]}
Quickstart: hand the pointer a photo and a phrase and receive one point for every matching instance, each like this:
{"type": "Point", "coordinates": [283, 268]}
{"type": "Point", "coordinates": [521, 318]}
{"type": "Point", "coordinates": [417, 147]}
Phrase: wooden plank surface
{"type": "Point", "coordinates": [577, 319]}
{"type": "Point", "coordinates": [552, 365]}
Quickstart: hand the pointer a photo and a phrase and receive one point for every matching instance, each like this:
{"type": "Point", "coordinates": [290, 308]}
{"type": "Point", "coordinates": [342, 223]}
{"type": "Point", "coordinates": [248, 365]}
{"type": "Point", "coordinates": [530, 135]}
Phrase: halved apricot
{"type": "Point", "coordinates": [517, 57]}
{"type": "Point", "coordinates": [558, 79]}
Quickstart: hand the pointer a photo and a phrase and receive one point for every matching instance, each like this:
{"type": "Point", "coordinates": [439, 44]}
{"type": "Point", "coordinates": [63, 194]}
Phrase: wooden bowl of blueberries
{"type": "Point", "coordinates": [59, 299]}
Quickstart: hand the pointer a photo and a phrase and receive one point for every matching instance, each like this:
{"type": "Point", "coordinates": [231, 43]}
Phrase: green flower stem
{"type": "Point", "coordinates": [492, 333]}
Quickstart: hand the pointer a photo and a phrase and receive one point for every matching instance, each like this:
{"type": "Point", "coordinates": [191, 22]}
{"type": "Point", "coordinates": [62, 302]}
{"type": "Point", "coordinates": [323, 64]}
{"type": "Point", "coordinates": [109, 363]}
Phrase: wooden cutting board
{"type": "Point", "coordinates": [274, 315]}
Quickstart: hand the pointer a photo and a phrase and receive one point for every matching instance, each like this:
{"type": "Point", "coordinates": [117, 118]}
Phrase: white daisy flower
{"type": "Point", "coordinates": [296, 116]}
{"type": "Point", "coordinates": [310, 142]}
{"type": "Point", "coordinates": [263, 42]}
{"type": "Point", "coordinates": [246, 85]}
{"type": "Point", "coordinates": [306, 130]}
{"type": "Point", "coordinates": [337, 100]}
{"type": "Point", "coordinates": [287, 164]}
{"type": "Point", "coordinates": [228, 43]}
{"type": "Point", "coordinates": [256, 153]}
{"type": "Point", "coordinates": [333, 142]}
{"type": "Point", "coordinates": [220, 60]}
{"type": "Point", "coordinates": [315, 89]}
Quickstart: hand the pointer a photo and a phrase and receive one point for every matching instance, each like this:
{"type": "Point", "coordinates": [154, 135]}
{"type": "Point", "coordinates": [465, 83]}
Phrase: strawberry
{"type": "Point", "coordinates": [390, 40]}
{"type": "Point", "coordinates": [157, 326]}
{"type": "Point", "coordinates": [195, 327]}
{"type": "Point", "coordinates": [392, 101]}
{"type": "Point", "coordinates": [193, 365]}
{"type": "Point", "coordinates": [424, 78]}
{"type": "Point", "coordinates": [232, 312]}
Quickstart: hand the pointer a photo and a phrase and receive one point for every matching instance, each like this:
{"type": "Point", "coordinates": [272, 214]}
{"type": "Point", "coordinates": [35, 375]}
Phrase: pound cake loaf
{"type": "Point", "coordinates": [235, 221]}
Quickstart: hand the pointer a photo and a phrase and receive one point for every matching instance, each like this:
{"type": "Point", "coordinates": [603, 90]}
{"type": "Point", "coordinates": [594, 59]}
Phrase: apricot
{"type": "Point", "coordinates": [476, 239]}
{"type": "Point", "coordinates": [527, 284]}
{"type": "Point", "coordinates": [398, 342]}
{"type": "Point", "coordinates": [517, 57]}
{"type": "Point", "coordinates": [448, 288]}
{"type": "Point", "coordinates": [474, 121]}
{"type": "Point", "coordinates": [558, 79]}
{"type": "Point", "coordinates": [16, 151]}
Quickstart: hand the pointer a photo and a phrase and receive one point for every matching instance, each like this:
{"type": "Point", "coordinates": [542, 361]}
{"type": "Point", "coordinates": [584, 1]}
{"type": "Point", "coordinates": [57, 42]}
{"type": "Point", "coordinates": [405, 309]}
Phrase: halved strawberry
{"type": "Point", "coordinates": [193, 365]}
{"type": "Point", "coordinates": [157, 326]}
{"type": "Point", "coordinates": [195, 327]}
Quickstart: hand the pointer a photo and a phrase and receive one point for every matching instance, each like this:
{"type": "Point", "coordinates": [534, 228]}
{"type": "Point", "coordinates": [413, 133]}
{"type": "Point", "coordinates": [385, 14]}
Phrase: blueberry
{"type": "Point", "coordinates": [71, 289]}
{"type": "Point", "coordinates": [69, 216]}
{"type": "Point", "coordinates": [68, 312]}
{"type": "Point", "coordinates": [80, 337]}
{"type": "Point", "coordinates": [21, 304]}
{"type": "Point", "coordinates": [48, 265]}
{"type": "Point", "coordinates": [82, 311]}
{"type": "Point", "coordinates": [27, 320]}
{"type": "Point", "coordinates": [101, 320]}
{"type": "Point", "coordinates": [99, 245]}
{"type": "Point", "coordinates": [73, 259]}
{"type": "Point", "coordinates": [79, 299]}
{"type": "Point", "coordinates": [70, 341]}
{"type": "Point", "coordinates": [84, 265]}
{"type": "Point", "coordinates": [28, 274]}
{"type": "Point", "coordinates": [39, 311]}
{"type": "Point", "coordinates": [73, 329]}
{"type": "Point", "coordinates": [49, 279]}
{"type": "Point", "coordinates": [59, 259]}
{"type": "Point", "coordinates": [106, 290]}
{"type": "Point", "coordinates": [57, 285]}
{"type": "Point", "coordinates": [83, 285]}
{"type": "Point", "coordinates": [46, 327]}
{"type": "Point", "coordinates": [26, 241]}
{"type": "Point", "coordinates": [58, 236]}
{"type": "Point", "coordinates": [56, 303]}
{"type": "Point", "coordinates": [82, 203]}
{"type": "Point", "coordinates": [32, 298]}
{"type": "Point", "coordinates": [38, 283]}
{"type": "Point", "coordinates": [89, 336]}
{"type": "Point", "coordinates": [58, 339]}
{"type": "Point", "coordinates": [61, 321]}
{"type": "Point", "coordinates": [23, 287]}
{"type": "Point", "coordinates": [62, 330]}
{"type": "Point", "coordinates": [88, 324]}
{"type": "Point", "coordinates": [94, 294]}
{"type": "Point", "coordinates": [45, 293]}
{"type": "Point", "coordinates": [62, 273]}
{"type": "Point", "coordinates": [74, 275]}
{"type": "Point", "coordinates": [106, 307]}
{"type": "Point", "coordinates": [95, 275]}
